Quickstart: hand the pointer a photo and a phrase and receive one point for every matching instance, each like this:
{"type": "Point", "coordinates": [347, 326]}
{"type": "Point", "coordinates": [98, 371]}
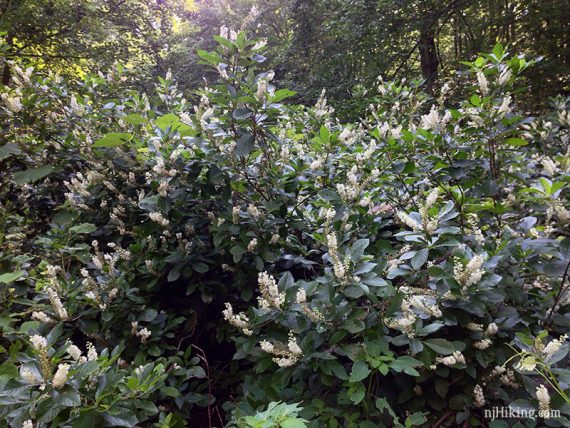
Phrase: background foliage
{"type": "Point", "coordinates": [343, 46]}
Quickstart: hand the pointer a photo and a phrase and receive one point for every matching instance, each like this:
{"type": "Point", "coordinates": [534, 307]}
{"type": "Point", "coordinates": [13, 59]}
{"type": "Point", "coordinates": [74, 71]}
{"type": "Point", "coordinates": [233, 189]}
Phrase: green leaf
{"type": "Point", "coordinates": [415, 419]}
{"type": "Point", "coordinates": [359, 371]}
{"type": "Point", "coordinates": [354, 326]}
{"type": "Point", "coordinates": [174, 273]}
{"type": "Point", "coordinates": [84, 228]}
{"type": "Point", "coordinates": [420, 258]}
{"type": "Point", "coordinates": [28, 326]}
{"type": "Point", "coordinates": [88, 419]}
{"type": "Point", "coordinates": [406, 364]}
{"type": "Point", "coordinates": [241, 40]}
{"type": "Point", "coordinates": [196, 371]}
{"type": "Point", "coordinates": [546, 184]}
{"type": "Point", "coordinates": [170, 391]}
{"type": "Point", "coordinates": [498, 51]}
{"type": "Point", "coordinates": [480, 62]}
{"type": "Point", "coordinates": [375, 282]}
{"type": "Point", "coordinates": [382, 404]}
{"type": "Point", "coordinates": [430, 328]}
{"type": "Point", "coordinates": [293, 423]}
{"type": "Point", "coordinates": [441, 346]}
{"type": "Point", "coordinates": [237, 251]}
{"type": "Point", "coordinates": [200, 267]}
{"type": "Point", "coordinates": [67, 397]}
{"type": "Point", "coordinates": [336, 368]}
{"type": "Point", "coordinates": [356, 393]}
{"type": "Point", "coordinates": [281, 94]}
{"type": "Point", "coordinates": [441, 387]}
{"type": "Point", "coordinates": [244, 145]}
{"type": "Point", "coordinates": [242, 113]}
{"type": "Point", "coordinates": [7, 278]}
{"type": "Point", "coordinates": [113, 139]}
{"type": "Point", "coordinates": [124, 419]}
{"type": "Point", "coordinates": [8, 150]}
{"type": "Point", "coordinates": [516, 142]}
{"type": "Point", "coordinates": [32, 174]}
{"type": "Point", "coordinates": [185, 130]}
{"type": "Point", "coordinates": [135, 119]}
{"type": "Point", "coordinates": [475, 100]}
{"type": "Point", "coordinates": [357, 249]}
{"type": "Point", "coordinates": [364, 267]}
{"type": "Point", "coordinates": [325, 134]}
{"type": "Point", "coordinates": [556, 186]}
{"type": "Point", "coordinates": [148, 315]}
{"type": "Point", "coordinates": [209, 57]}
{"type": "Point", "coordinates": [7, 368]}
{"type": "Point", "coordinates": [166, 121]}
{"type": "Point", "coordinates": [223, 41]}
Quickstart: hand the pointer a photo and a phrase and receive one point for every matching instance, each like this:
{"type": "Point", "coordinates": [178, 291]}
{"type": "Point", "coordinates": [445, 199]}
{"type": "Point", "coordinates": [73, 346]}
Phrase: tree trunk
{"type": "Point", "coordinates": [428, 58]}
{"type": "Point", "coordinates": [6, 73]}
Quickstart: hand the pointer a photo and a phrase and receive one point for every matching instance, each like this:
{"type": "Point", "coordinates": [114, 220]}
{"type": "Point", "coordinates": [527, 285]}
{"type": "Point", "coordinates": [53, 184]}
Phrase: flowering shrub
{"type": "Point", "coordinates": [406, 269]}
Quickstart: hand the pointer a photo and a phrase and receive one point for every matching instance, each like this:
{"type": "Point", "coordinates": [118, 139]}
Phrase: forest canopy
{"type": "Point", "coordinates": [304, 213]}
{"type": "Point", "coordinates": [342, 46]}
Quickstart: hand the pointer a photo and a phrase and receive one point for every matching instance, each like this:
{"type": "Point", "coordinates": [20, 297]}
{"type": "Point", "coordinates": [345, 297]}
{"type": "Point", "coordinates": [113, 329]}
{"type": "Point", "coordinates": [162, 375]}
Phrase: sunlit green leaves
{"type": "Point", "coordinates": [113, 139]}
{"type": "Point", "coordinates": [135, 119]}
{"type": "Point", "coordinates": [516, 142]}
{"type": "Point", "coordinates": [7, 278]}
{"type": "Point", "coordinates": [282, 94]}
{"type": "Point", "coordinates": [209, 57]}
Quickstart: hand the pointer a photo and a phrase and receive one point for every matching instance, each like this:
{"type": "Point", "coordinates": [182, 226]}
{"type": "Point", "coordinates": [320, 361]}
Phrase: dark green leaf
{"type": "Point", "coordinates": [244, 145]}
{"type": "Point", "coordinates": [359, 371]}
{"type": "Point", "coordinates": [32, 174]}
{"type": "Point", "coordinates": [8, 150]}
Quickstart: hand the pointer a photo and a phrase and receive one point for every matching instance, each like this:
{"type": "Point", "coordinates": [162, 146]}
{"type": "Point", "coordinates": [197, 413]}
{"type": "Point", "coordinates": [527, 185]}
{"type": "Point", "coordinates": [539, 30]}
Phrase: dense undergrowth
{"type": "Point", "coordinates": [169, 264]}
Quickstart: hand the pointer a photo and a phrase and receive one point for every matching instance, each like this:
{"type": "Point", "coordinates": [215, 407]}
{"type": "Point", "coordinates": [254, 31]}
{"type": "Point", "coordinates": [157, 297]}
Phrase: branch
{"type": "Point", "coordinates": [560, 292]}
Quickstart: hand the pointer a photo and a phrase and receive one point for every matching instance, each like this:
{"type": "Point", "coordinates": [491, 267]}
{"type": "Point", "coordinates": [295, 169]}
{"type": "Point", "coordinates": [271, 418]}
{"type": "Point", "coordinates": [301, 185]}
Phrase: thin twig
{"type": "Point", "coordinates": [560, 292]}
{"type": "Point", "coordinates": [205, 360]}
